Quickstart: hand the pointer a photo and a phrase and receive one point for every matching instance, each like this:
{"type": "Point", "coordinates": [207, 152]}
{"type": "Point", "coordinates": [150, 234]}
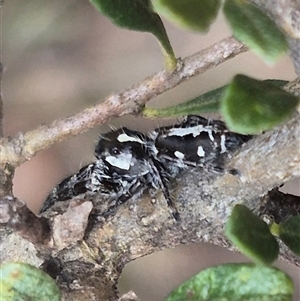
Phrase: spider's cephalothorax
{"type": "Point", "coordinates": [125, 166]}
{"type": "Point", "coordinates": [130, 157]}
{"type": "Point", "coordinates": [196, 141]}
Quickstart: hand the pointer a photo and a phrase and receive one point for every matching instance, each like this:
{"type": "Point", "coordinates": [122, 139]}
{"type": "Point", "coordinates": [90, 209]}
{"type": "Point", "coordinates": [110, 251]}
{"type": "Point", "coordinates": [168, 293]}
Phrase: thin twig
{"type": "Point", "coordinates": [279, 206]}
{"type": "Point", "coordinates": [286, 14]}
{"type": "Point", "coordinates": [1, 102]}
{"type": "Point", "coordinates": [22, 147]}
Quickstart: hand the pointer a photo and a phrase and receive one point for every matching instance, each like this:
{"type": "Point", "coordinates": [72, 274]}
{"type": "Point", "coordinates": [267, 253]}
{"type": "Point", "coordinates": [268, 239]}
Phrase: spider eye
{"type": "Point", "coordinates": [115, 151]}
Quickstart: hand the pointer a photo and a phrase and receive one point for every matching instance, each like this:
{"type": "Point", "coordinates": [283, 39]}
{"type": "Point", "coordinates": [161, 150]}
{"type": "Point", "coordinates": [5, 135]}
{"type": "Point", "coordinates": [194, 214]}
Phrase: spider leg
{"type": "Point", "coordinates": [161, 180]}
{"type": "Point", "coordinates": [72, 186]}
{"type": "Point", "coordinates": [133, 190]}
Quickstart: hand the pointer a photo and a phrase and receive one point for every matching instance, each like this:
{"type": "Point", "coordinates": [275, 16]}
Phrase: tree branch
{"type": "Point", "coordinates": [279, 206]}
{"type": "Point", "coordinates": [18, 149]}
{"type": "Point", "coordinates": [286, 14]}
{"type": "Point", "coordinates": [145, 226]}
{"type": "Point", "coordinates": [1, 100]}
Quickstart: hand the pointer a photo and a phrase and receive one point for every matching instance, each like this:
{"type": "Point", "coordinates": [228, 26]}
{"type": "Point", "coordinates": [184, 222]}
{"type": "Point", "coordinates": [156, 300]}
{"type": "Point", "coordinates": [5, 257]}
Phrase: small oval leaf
{"type": "Point", "coordinates": [256, 30]}
{"type": "Point", "coordinates": [24, 282]}
{"type": "Point", "coordinates": [236, 282]}
{"type": "Point", "coordinates": [138, 15]}
{"type": "Point", "coordinates": [189, 14]}
{"type": "Point", "coordinates": [251, 235]}
{"type": "Point", "coordinates": [205, 103]}
{"type": "Point", "coordinates": [289, 233]}
{"type": "Point", "coordinates": [250, 106]}
{"type": "Point", "coordinates": [208, 102]}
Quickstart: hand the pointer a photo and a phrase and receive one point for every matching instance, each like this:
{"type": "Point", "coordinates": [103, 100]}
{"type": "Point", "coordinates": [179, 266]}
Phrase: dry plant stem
{"type": "Point", "coordinates": [1, 101]}
{"type": "Point", "coordinates": [279, 206]}
{"type": "Point", "coordinates": [20, 219]}
{"type": "Point", "coordinates": [18, 149]}
{"type": "Point", "coordinates": [286, 14]}
{"type": "Point", "coordinates": [142, 227]}
{"type": "Point", "coordinates": [6, 171]}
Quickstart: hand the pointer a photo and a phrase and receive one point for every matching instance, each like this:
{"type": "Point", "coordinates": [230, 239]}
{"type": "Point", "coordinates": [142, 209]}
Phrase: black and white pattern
{"type": "Point", "coordinates": [196, 141]}
{"type": "Point", "coordinates": [128, 162]}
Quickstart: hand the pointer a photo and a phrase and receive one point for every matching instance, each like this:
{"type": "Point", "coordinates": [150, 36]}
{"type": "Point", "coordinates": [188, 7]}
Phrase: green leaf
{"type": "Point", "coordinates": [256, 30]}
{"type": "Point", "coordinates": [289, 233]}
{"type": "Point", "coordinates": [276, 82]}
{"type": "Point", "coordinates": [236, 282]}
{"type": "Point", "coordinates": [24, 282]}
{"type": "Point", "coordinates": [189, 14]}
{"type": "Point", "coordinates": [251, 235]}
{"type": "Point", "coordinates": [205, 103]}
{"type": "Point", "coordinates": [208, 102]}
{"type": "Point", "coordinates": [250, 106]}
{"type": "Point", "coordinates": [138, 15]}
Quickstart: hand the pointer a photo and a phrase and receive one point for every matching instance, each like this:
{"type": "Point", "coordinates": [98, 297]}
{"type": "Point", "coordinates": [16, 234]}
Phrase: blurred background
{"type": "Point", "coordinates": [60, 57]}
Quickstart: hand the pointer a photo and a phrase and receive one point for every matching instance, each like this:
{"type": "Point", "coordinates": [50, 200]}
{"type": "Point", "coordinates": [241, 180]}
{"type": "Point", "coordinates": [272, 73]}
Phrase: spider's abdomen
{"type": "Point", "coordinates": [196, 142]}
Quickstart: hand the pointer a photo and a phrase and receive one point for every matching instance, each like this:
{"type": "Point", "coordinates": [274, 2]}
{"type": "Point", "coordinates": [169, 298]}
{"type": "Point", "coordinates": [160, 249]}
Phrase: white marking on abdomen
{"type": "Point", "coordinates": [200, 151]}
{"type": "Point", "coordinates": [181, 132]}
{"type": "Point", "coordinates": [179, 155]}
{"type": "Point", "coordinates": [153, 148]}
{"type": "Point", "coordinates": [195, 131]}
{"type": "Point", "coordinates": [223, 146]}
{"type": "Point", "coordinates": [211, 136]}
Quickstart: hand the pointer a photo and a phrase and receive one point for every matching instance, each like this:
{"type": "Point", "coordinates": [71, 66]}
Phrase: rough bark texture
{"type": "Point", "coordinates": [286, 14]}
{"type": "Point", "coordinates": [145, 226]}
